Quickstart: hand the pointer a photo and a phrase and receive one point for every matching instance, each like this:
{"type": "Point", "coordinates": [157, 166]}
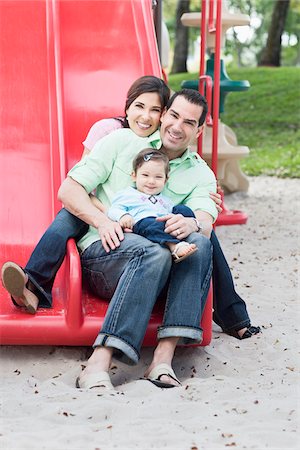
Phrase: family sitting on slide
{"type": "Point", "coordinates": [153, 204]}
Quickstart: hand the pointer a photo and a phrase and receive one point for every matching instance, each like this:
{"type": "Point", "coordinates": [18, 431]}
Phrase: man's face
{"type": "Point", "coordinates": [179, 126]}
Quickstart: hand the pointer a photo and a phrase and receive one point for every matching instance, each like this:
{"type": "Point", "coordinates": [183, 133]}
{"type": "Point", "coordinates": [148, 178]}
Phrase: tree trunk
{"type": "Point", "coordinates": [181, 39]}
{"type": "Point", "coordinates": [271, 54]}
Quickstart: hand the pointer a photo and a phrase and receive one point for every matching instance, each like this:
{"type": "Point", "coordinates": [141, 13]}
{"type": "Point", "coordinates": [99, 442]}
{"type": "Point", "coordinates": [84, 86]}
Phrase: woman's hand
{"type": "Point", "coordinates": [216, 197]}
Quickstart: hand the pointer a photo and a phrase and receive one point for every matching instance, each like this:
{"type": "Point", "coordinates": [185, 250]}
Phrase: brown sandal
{"type": "Point", "coordinates": [14, 279]}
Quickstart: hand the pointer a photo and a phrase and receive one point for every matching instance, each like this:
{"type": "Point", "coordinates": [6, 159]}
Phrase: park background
{"type": "Point", "coordinates": [266, 118]}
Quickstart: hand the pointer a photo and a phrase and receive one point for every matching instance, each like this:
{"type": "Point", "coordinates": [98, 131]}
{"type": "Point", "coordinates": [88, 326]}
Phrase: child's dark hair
{"type": "Point", "coordinates": [150, 154]}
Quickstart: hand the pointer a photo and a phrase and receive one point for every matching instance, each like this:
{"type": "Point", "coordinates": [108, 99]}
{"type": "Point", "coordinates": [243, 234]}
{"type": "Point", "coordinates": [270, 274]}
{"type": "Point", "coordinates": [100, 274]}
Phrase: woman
{"type": "Point", "coordinates": [32, 287]}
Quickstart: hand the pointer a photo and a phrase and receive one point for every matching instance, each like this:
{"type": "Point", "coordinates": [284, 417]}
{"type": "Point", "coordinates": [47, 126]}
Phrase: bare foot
{"type": "Point", "coordinates": [162, 374]}
{"type": "Point", "coordinates": [160, 369]}
{"type": "Point", "coordinates": [95, 375]}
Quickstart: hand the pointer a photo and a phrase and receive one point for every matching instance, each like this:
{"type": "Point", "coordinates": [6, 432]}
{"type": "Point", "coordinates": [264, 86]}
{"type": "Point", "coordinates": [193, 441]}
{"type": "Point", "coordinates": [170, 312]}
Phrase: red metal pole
{"type": "Point", "coordinates": [211, 24]}
{"type": "Point", "coordinates": [202, 63]}
{"type": "Point", "coordinates": [216, 99]}
{"type": "Point", "coordinates": [208, 80]}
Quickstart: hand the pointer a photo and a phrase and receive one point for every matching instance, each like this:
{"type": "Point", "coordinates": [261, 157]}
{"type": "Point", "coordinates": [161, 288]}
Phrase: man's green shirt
{"type": "Point", "coordinates": [107, 170]}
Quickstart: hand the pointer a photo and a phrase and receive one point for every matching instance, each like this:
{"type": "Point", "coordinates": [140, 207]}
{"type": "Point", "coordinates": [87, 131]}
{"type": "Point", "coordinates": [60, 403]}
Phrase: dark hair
{"type": "Point", "coordinates": [194, 97]}
{"type": "Point", "coordinates": [142, 85]}
{"type": "Point", "coordinates": [150, 154]}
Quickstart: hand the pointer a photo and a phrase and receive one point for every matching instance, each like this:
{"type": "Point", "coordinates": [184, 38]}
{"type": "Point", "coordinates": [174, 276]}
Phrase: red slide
{"type": "Point", "coordinates": [64, 65]}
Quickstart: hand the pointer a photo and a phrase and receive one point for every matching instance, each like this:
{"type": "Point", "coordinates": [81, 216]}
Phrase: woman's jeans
{"type": "Point", "coordinates": [49, 254]}
{"type": "Point", "coordinates": [132, 276]}
{"type": "Point", "coordinates": [229, 309]}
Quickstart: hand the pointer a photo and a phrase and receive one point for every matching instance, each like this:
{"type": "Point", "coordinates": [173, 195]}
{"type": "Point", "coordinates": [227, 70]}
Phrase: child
{"type": "Point", "coordinates": [136, 208]}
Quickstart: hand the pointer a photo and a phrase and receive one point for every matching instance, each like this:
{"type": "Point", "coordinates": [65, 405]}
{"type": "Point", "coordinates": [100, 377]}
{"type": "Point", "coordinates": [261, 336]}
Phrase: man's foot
{"type": "Point", "coordinates": [96, 381]}
{"type": "Point", "coordinates": [162, 376]}
{"type": "Point", "coordinates": [14, 280]}
{"type": "Point", "coordinates": [95, 375]}
{"type": "Point", "coordinates": [182, 250]}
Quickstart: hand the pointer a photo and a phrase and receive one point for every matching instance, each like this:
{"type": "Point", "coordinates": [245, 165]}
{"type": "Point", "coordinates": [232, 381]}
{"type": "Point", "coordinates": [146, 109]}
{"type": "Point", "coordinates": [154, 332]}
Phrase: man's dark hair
{"type": "Point", "coordinates": [194, 97]}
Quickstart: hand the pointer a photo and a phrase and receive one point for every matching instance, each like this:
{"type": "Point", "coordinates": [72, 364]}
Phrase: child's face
{"type": "Point", "coordinates": [151, 177]}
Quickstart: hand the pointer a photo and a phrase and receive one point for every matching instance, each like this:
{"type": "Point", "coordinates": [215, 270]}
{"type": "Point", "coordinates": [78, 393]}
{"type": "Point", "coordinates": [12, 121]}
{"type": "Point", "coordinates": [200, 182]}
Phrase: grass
{"type": "Point", "coordinates": [266, 118]}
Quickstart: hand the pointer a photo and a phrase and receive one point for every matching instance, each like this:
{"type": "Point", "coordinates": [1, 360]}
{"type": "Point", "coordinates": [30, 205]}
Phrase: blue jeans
{"type": "Point", "coordinates": [49, 254]}
{"type": "Point", "coordinates": [153, 230]}
{"type": "Point", "coordinates": [133, 275]}
{"type": "Point", "coordinates": [230, 310]}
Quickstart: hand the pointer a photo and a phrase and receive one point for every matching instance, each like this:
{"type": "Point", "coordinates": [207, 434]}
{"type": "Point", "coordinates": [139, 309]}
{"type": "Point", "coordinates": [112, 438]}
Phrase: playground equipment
{"type": "Point", "coordinates": [65, 65]}
{"type": "Point", "coordinates": [229, 152]}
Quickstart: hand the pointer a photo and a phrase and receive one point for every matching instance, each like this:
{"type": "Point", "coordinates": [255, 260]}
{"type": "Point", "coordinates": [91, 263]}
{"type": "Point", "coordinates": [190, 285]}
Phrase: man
{"type": "Point", "coordinates": [132, 270]}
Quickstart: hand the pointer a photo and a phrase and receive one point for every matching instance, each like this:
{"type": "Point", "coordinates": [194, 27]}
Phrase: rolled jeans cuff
{"type": "Point", "coordinates": [187, 335]}
{"type": "Point", "coordinates": [122, 350]}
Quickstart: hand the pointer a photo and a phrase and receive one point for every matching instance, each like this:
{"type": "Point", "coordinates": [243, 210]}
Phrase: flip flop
{"type": "Point", "coordinates": [14, 280]}
{"type": "Point", "coordinates": [95, 381]}
{"type": "Point", "coordinates": [181, 244]}
{"type": "Point", "coordinates": [159, 371]}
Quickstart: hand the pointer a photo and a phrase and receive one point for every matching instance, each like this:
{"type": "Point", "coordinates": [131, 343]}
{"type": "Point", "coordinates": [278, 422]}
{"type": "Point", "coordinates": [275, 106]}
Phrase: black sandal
{"type": "Point", "coordinates": [250, 331]}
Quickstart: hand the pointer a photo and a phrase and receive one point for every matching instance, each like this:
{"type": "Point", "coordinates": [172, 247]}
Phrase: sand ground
{"type": "Point", "coordinates": [240, 394]}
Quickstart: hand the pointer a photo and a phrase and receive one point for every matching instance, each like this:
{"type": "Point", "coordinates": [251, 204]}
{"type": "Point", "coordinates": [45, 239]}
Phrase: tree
{"type": "Point", "coordinates": [181, 39]}
{"type": "Point", "coordinates": [271, 54]}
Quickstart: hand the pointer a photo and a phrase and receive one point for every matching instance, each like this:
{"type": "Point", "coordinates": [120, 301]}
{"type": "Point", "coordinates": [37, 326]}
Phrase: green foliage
{"type": "Point", "coordinates": [266, 118]}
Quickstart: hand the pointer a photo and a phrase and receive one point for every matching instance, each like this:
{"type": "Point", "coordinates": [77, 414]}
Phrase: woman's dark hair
{"type": "Point", "coordinates": [150, 154]}
{"type": "Point", "coordinates": [142, 85]}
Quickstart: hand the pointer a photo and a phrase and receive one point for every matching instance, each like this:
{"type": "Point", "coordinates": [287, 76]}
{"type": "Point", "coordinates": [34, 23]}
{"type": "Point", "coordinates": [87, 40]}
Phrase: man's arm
{"type": "Point", "coordinates": [77, 201]}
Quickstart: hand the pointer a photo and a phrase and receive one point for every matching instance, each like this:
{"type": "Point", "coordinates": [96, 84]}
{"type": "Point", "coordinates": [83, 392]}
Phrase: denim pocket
{"type": "Point", "coordinates": [98, 283]}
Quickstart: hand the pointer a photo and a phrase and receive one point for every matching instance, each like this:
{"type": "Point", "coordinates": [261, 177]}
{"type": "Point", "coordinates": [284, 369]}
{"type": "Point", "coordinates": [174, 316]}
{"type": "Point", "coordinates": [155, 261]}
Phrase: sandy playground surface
{"type": "Point", "coordinates": [239, 394]}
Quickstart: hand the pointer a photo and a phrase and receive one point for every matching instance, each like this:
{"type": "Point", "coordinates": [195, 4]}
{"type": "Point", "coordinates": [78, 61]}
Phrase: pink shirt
{"type": "Point", "coordinates": [99, 130]}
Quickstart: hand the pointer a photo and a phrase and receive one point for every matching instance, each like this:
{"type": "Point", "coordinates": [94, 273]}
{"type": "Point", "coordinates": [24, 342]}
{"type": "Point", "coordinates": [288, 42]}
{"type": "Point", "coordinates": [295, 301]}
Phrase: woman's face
{"type": "Point", "coordinates": [144, 113]}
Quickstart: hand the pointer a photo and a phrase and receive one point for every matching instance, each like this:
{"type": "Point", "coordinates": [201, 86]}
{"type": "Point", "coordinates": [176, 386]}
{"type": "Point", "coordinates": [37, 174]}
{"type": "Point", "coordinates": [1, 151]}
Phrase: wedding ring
{"type": "Point", "coordinates": [178, 232]}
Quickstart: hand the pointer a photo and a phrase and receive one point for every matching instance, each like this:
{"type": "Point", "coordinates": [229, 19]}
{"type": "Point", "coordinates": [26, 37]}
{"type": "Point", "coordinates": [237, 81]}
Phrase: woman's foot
{"type": "Point", "coordinates": [181, 250]}
{"type": "Point", "coordinates": [244, 333]}
{"type": "Point", "coordinates": [14, 280]}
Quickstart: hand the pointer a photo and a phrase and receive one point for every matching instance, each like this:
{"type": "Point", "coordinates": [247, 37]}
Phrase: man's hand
{"type": "Point", "coordinates": [178, 226]}
{"type": "Point", "coordinates": [126, 222]}
{"type": "Point", "coordinates": [111, 234]}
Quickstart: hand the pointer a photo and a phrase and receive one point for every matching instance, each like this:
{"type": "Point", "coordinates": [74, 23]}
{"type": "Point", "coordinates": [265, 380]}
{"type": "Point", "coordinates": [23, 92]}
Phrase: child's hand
{"type": "Point", "coordinates": [126, 222]}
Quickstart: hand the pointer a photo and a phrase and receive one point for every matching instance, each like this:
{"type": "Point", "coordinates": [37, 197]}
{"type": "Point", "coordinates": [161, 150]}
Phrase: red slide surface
{"type": "Point", "coordinates": [64, 65]}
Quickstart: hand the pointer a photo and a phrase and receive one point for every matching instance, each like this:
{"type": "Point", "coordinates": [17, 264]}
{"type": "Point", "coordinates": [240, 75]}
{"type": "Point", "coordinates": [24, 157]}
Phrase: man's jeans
{"type": "Point", "coordinates": [133, 275]}
{"type": "Point", "coordinates": [230, 310]}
